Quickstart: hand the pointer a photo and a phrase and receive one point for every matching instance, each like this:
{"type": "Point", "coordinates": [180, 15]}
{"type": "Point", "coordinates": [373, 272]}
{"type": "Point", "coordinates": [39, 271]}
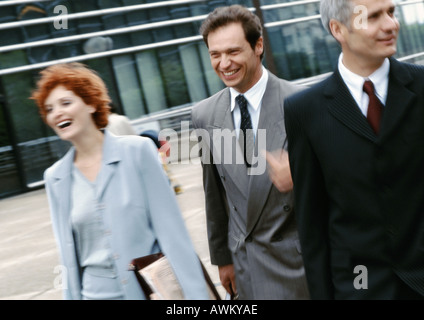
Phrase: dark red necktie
{"type": "Point", "coordinates": [375, 107]}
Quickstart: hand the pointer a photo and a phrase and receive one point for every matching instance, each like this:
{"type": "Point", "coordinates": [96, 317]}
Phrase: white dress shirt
{"type": "Point", "coordinates": [254, 102]}
{"type": "Point", "coordinates": [355, 83]}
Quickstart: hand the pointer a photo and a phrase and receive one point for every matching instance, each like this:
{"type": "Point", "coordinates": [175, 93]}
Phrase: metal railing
{"type": "Point", "coordinates": [110, 32]}
{"type": "Point", "coordinates": [18, 2]}
{"type": "Point", "coordinates": [116, 31]}
{"type": "Point", "coordinates": [186, 110]}
{"type": "Point", "coordinates": [148, 26]}
{"type": "Point", "coordinates": [96, 13]}
{"type": "Point", "coordinates": [97, 55]}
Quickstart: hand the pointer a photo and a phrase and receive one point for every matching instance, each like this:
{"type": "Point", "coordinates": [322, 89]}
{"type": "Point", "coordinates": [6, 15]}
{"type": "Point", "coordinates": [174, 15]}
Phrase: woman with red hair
{"type": "Point", "coordinates": [109, 197]}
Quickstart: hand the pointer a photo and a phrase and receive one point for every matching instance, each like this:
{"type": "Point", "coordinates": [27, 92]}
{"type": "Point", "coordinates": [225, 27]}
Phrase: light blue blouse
{"type": "Point", "coordinates": [99, 277]}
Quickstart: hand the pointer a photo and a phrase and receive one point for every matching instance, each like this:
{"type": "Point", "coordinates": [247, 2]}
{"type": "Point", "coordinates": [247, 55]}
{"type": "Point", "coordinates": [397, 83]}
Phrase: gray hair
{"type": "Point", "coordinates": [340, 10]}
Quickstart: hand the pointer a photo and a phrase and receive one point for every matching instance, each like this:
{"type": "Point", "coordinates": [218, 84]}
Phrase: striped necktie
{"type": "Point", "coordinates": [246, 138]}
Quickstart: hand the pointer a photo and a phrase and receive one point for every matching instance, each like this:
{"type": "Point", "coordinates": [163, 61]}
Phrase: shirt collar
{"type": "Point", "coordinates": [253, 95]}
{"type": "Point", "coordinates": [380, 78]}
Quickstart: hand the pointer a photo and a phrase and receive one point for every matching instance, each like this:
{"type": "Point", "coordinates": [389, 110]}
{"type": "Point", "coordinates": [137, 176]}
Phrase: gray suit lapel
{"type": "Point", "coordinates": [224, 124]}
{"type": "Point", "coordinates": [272, 120]}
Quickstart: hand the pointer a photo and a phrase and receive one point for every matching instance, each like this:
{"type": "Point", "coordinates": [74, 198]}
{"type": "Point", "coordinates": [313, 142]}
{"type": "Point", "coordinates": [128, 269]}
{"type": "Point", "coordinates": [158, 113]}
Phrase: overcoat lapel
{"type": "Point", "coordinates": [272, 120]}
{"type": "Point", "coordinates": [110, 159]}
{"type": "Point", "coordinates": [63, 174]}
{"type": "Point", "coordinates": [344, 108]}
{"type": "Point", "coordinates": [61, 187]}
{"type": "Point", "coordinates": [399, 98]}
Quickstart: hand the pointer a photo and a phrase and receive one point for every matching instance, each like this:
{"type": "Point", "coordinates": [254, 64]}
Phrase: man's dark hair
{"type": "Point", "coordinates": [223, 16]}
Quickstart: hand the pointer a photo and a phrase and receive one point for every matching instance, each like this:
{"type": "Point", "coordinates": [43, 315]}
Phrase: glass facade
{"type": "Point", "coordinates": [151, 57]}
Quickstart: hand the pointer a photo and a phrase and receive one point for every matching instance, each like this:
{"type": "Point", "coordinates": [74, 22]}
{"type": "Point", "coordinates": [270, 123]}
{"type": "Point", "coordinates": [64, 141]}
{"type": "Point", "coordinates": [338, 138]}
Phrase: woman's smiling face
{"type": "Point", "coordinates": [67, 113]}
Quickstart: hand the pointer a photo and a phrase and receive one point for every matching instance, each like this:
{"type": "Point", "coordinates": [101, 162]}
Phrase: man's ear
{"type": "Point", "coordinates": [337, 30]}
{"type": "Point", "coordinates": [259, 48]}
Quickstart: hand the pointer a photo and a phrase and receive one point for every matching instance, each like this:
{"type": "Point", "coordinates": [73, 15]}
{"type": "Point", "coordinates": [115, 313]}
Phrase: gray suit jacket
{"type": "Point", "coordinates": [250, 223]}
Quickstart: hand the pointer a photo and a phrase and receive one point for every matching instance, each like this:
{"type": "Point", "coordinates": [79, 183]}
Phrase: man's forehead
{"type": "Point", "coordinates": [374, 4]}
{"type": "Point", "coordinates": [226, 37]}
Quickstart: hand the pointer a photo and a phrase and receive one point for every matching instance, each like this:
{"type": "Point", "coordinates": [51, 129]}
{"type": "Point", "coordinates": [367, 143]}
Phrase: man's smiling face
{"type": "Point", "coordinates": [233, 59]}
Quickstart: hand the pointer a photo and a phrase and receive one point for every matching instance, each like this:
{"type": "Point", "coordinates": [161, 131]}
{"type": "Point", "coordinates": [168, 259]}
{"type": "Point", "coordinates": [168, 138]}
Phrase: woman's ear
{"type": "Point", "coordinates": [91, 109]}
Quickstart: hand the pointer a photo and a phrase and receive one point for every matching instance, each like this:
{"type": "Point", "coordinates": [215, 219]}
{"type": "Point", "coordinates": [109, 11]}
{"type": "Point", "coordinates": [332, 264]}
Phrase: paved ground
{"type": "Point", "coordinates": [28, 255]}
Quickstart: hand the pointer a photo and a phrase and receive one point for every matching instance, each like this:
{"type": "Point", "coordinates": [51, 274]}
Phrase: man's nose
{"type": "Point", "coordinates": [390, 23]}
{"type": "Point", "coordinates": [225, 61]}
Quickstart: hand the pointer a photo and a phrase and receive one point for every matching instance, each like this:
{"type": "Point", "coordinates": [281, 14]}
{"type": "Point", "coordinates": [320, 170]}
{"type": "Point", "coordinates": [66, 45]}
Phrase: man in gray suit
{"type": "Point", "coordinates": [251, 228]}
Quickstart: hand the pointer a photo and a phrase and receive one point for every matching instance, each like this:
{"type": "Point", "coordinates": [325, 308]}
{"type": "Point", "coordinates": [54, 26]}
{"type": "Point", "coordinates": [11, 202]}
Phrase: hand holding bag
{"type": "Point", "coordinates": [158, 281]}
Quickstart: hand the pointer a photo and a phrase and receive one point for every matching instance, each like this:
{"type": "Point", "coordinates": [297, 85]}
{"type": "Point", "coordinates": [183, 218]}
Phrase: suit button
{"type": "Point", "coordinates": [223, 178]}
{"type": "Point", "coordinates": [234, 208]}
{"type": "Point", "coordinates": [286, 208]}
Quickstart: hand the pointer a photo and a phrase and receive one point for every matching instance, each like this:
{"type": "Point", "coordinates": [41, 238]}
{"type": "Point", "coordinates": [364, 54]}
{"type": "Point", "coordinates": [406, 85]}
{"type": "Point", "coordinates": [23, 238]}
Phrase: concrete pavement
{"type": "Point", "coordinates": [28, 254]}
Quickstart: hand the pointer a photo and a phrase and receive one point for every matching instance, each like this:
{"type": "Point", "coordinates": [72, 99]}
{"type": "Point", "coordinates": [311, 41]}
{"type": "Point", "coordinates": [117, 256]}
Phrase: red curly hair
{"type": "Point", "coordinates": [79, 79]}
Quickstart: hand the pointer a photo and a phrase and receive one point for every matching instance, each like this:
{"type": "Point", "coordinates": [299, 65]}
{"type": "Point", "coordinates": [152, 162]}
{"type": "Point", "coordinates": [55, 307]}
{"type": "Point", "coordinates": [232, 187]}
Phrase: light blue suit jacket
{"type": "Point", "coordinates": [139, 208]}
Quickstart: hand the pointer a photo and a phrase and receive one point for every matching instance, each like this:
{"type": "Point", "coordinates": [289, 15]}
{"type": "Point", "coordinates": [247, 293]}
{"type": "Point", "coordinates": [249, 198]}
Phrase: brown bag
{"type": "Point", "coordinates": [158, 281]}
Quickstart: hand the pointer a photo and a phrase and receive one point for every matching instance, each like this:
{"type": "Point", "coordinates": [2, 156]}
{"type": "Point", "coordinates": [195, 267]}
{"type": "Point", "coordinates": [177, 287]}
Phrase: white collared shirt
{"type": "Point", "coordinates": [254, 102]}
{"type": "Point", "coordinates": [355, 83]}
